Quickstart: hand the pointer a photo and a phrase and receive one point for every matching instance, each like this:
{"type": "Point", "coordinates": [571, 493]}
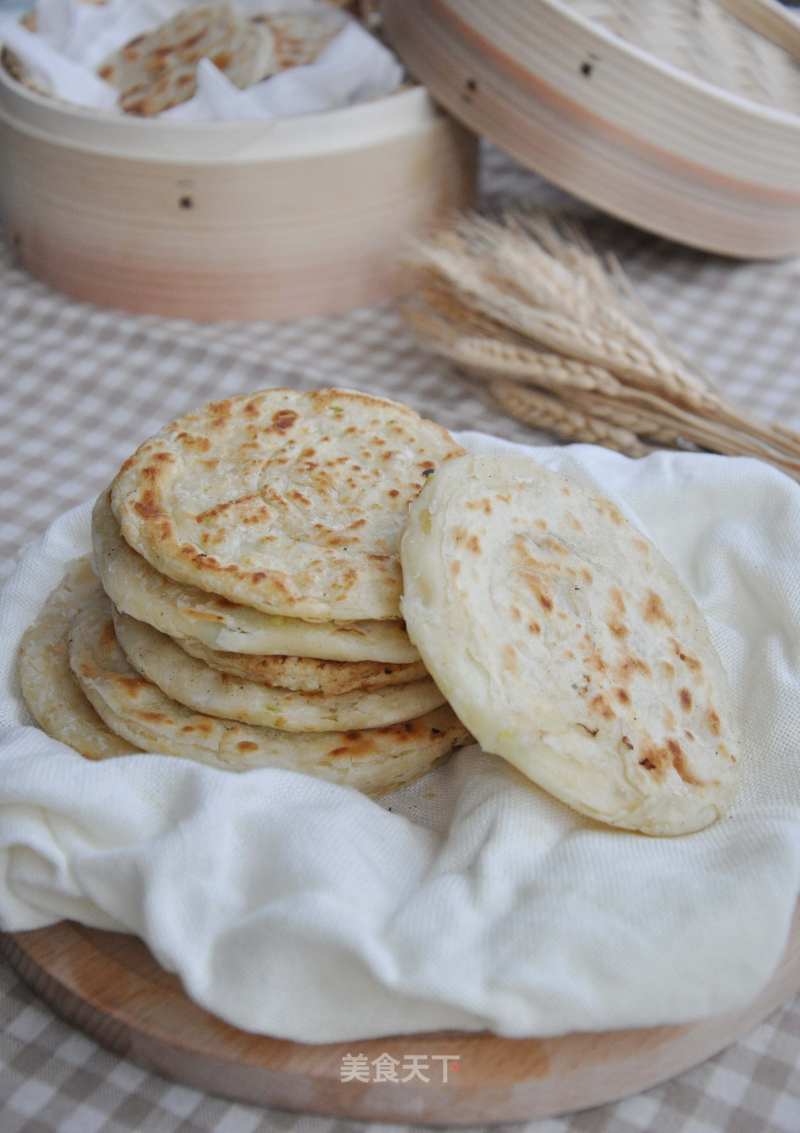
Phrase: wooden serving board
{"type": "Point", "coordinates": [109, 986]}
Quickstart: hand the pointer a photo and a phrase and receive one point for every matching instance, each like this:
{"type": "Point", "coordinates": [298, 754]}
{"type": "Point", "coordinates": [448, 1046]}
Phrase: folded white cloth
{"type": "Point", "coordinates": [304, 910]}
{"type": "Point", "coordinates": [73, 38]}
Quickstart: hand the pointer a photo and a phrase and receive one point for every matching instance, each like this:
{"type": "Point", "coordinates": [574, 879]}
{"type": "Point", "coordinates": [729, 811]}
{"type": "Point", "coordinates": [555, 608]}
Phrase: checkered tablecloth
{"type": "Point", "coordinates": [80, 387]}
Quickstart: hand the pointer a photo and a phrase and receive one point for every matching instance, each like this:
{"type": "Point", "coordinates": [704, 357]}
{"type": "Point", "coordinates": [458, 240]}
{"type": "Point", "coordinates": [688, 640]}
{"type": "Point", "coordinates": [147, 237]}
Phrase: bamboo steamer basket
{"type": "Point", "coordinates": [233, 220]}
{"type": "Point", "coordinates": [611, 122]}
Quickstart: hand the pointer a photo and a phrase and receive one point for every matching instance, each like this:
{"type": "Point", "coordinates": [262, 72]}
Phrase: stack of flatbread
{"type": "Point", "coordinates": [158, 69]}
{"type": "Point", "coordinates": [253, 560]}
{"type": "Point", "coordinates": [245, 610]}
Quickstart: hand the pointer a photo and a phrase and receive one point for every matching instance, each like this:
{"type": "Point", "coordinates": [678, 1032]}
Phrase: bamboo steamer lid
{"type": "Point", "coordinates": [677, 116]}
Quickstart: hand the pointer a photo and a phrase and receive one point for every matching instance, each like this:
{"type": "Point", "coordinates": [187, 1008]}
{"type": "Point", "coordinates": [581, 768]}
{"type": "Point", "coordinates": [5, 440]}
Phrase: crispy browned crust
{"type": "Point", "coordinates": [291, 503]}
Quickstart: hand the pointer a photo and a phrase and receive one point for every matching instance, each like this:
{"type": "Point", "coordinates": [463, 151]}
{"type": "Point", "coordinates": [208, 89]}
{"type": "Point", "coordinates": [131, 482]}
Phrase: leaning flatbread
{"type": "Point", "coordinates": [183, 611]}
{"type": "Point", "coordinates": [566, 643]}
{"type": "Point", "coordinates": [292, 503]}
{"type": "Point", "coordinates": [192, 683]}
{"type": "Point", "coordinates": [49, 689]}
{"type": "Point", "coordinates": [299, 38]}
{"type": "Point", "coordinates": [373, 761]}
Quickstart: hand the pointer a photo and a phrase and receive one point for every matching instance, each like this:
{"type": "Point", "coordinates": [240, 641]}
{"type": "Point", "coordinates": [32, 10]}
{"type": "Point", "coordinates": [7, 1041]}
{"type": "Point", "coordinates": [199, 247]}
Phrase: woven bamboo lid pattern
{"type": "Point", "coordinates": [677, 116]}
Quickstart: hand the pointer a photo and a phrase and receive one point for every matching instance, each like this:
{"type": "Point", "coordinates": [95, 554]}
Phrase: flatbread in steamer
{"type": "Point", "coordinates": [186, 612]}
{"type": "Point", "coordinates": [292, 503]}
{"type": "Point", "coordinates": [306, 674]}
{"type": "Point", "coordinates": [158, 70]}
{"type": "Point", "coordinates": [372, 761]}
{"type": "Point", "coordinates": [299, 38]}
{"type": "Point", "coordinates": [49, 689]}
{"type": "Point", "coordinates": [566, 643]}
{"type": "Point", "coordinates": [192, 683]}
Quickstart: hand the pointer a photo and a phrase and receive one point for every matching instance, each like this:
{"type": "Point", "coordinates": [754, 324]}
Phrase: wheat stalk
{"type": "Point", "coordinates": [549, 413]}
{"type": "Point", "coordinates": [522, 301]}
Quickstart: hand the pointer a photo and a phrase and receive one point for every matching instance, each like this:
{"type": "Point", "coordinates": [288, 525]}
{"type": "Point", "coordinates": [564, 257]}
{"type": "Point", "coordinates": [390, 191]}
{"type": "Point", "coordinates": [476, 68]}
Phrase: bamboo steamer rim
{"type": "Point", "coordinates": [364, 124]}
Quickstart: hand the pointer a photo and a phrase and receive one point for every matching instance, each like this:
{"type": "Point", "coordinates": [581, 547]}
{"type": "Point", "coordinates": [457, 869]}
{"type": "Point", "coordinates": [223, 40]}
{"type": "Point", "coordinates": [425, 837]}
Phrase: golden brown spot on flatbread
{"type": "Point", "coordinates": [600, 705]}
{"type": "Point", "coordinates": [153, 717]}
{"type": "Point", "coordinates": [510, 659]}
{"type": "Point", "coordinates": [690, 662]}
{"type": "Point", "coordinates": [680, 764]}
{"type": "Point", "coordinates": [595, 661]}
{"type": "Point", "coordinates": [574, 522]}
{"type": "Point", "coordinates": [655, 759]}
{"type": "Point", "coordinates": [641, 545]}
{"type": "Point", "coordinates": [460, 535]}
{"type": "Point", "coordinates": [617, 599]}
{"type": "Point", "coordinates": [622, 696]}
{"type": "Point", "coordinates": [630, 665]}
{"type": "Point", "coordinates": [565, 491]}
{"type": "Point", "coordinates": [106, 72]}
{"type": "Point", "coordinates": [534, 627]}
{"type": "Point", "coordinates": [586, 574]}
{"type": "Point", "coordinates": [542, 596]}
{"type": "Point", "coordinates": [516, 615]}
{"type": "Point", "coordinates": [246, 745]}
{"type": "Point", "coordinates": [713, 722]}
{"type": "Point", "coordinates": [88, 670]}
{"type": "Point", "coordinates": [586, 728]}
{"type": "Point", "coordinates": [108, 638]}
{"type": "Point", "coordinates": [667, 670]}
{"type": "Point", "coordinates": [283, 420]}
{"type": "Point", "coordinates": [131, 686]}
{"type": "Point", "coordinates": [393, 492]}
{"type": "Point", "coordinates": [147, 507]}
{"type": "Point", "coordinates": [455, 568]}
{"type": "Point", "coordinates": [669, 719]}
{"type": "Point", "coordinates": [299, 498]}
{"type": "Point", "coordinates": [474, 545]}
{"type": "Point", "coordinates": [619, 629]}
{"type": "Point", "coordinates": [250, 409]}
{"type": "Point", "coordinates": [626, 741]}
{"type": "Point", "coordinates": [654, 610]}
{"type": "Point", "coordinates": [541, 524]}
{"type": "Point", "coordinates": [357, 744]}
{"type": "Point", "coordinates": [605, 507]}
{"type": "Point", "coordinates": [190, 441]}
{"type": "Point", "coordinates": [685, 698]}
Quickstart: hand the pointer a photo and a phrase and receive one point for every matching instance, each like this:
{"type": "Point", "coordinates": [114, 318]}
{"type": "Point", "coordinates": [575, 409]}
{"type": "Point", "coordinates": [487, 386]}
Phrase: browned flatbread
{"type": "Point", "coordinates": [158, 70]}
{"type": "Point", "coordinates": [305, 674]}
{"type": "Point", "coordinates": [291, 503]}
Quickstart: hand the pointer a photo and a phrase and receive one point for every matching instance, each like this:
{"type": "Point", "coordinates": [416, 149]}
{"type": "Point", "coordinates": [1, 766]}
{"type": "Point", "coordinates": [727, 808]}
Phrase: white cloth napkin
{"type": "Point", "coordinates": [74, 38]}
{"type": "Point", "coordinates": [305, 910]}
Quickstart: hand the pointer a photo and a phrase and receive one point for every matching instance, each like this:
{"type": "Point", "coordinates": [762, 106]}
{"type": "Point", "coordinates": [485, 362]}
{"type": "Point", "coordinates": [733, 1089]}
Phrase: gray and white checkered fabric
{"type": "Point", "coordinates": [80, 387]}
